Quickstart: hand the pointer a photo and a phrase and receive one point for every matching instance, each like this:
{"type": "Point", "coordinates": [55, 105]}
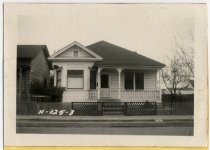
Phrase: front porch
{"type": "Point", "coordinates": [125, 84]}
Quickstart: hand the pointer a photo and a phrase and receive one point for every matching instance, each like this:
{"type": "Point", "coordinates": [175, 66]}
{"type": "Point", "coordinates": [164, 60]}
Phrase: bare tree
{"type": "Point", "coordinates": [180, 69]}
{"type": "Point", "coordinates": [186, 54]}
{"type": "Point", "coordinates": [175, 76]}
{"type": "Point", "coordinates": [187, 60]}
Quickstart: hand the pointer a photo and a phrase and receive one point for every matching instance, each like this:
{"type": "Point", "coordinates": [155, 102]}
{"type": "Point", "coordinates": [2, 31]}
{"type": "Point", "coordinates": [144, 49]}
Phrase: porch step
{"type": "Point", "coordinates": [113, 108]}
{"type": "Point", "coordinates": [113, 113]}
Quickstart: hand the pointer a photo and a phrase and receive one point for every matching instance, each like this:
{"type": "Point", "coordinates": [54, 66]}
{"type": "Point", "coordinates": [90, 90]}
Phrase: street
{"type": "Point", "coordinates": [184, 131]}
{"type": "Point", "coordinates": [126, 127]}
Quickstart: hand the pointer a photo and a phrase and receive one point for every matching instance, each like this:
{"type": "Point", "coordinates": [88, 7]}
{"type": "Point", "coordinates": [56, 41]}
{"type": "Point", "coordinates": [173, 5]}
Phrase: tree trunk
{"type": "Point", "coordinates": [173, 97]}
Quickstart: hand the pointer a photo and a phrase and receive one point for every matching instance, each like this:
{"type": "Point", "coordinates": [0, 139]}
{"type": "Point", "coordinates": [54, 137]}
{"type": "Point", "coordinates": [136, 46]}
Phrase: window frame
{"type": "Point", "coordinates": [75, 76]}
{"type": "Point", "coordinates": [77, 53]}
{"type": "Point", "coordinates": [134, 81]}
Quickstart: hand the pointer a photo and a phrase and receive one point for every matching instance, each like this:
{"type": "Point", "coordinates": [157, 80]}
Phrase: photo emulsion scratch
{"type": "Point", "coordinates": [108, 70]}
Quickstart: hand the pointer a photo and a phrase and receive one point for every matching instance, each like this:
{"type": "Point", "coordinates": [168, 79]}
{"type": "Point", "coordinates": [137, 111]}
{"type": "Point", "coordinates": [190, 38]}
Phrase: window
{"type": "Point", "coordinates": [129, 80]}
{"type": "Point", "coordinates": [134, 80]}
{"type": "Point", "coordinates": [139, 80]}
{"type": "Point", "coordinates": [92, 79]}
{"type": "Point", "coordinates": [75, 79]}
{"type": "Point", "coordinates": [104, 81]}
{"type": "Point", "coordinates": [75, 53]}
{"type": "Point", "coordinates": [58, 78]}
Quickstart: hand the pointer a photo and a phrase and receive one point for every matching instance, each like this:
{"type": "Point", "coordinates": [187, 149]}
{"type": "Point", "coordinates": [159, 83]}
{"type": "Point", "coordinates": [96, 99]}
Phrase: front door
{"type": "Point", "coordinates": [105, 92]}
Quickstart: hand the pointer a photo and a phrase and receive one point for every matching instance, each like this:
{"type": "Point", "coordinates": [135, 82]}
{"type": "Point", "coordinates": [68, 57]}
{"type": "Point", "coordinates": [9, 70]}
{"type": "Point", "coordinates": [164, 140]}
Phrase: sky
{"type": "Point", "coordinates": [147, 29]}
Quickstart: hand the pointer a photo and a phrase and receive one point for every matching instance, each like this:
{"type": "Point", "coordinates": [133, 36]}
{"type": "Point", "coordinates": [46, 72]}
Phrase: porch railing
{"type": "Point", "coordinates": [93, 94]}
{"type": "Point", "coordinates": [143, 95]}
{"type": "Point", "coordinates": [131, 95]}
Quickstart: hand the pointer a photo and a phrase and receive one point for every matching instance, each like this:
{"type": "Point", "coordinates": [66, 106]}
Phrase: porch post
{"type": "Point", "coordinates": [55, 77]}
{"type": "Point", "coordinates": [158, 85]}
{"type": "Point", "coordinates": [99, 82]}
{"type": "Point", "coordinates": [158, 79]}
{"type": "Point", "coordinates": [119, 82]}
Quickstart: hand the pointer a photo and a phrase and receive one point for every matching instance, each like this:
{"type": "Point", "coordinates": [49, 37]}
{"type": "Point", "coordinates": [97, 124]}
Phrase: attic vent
{"type": "Point", "coordinates": [76, 53]}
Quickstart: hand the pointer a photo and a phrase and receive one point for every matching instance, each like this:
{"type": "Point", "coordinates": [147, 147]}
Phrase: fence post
{"type": "Point", "coordinates": [126, 108]}
{"type": "Point", "coordinates": [72, 106]}
{"type": "Point", "coordinates": [102, 108]}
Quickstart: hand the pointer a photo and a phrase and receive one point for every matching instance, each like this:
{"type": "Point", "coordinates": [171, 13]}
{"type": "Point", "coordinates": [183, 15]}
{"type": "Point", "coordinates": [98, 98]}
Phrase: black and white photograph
{"type": "Point", "coordinates": [108, 69]}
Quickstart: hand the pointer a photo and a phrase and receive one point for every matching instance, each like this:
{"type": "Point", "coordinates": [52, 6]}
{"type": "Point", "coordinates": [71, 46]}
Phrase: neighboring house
{"type": "Point", "coordinates": [188, 89]}
{"type": "Point", "coordinates": [105, 72]}
{"type": "Point", "coordinates": [32, 64]}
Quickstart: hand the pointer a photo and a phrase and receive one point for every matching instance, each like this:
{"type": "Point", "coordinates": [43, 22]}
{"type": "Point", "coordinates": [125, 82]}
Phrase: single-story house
{"type": "Point", "coordinates": [32, 64]}
{"type": "Point", "coordinates": [105, 72]}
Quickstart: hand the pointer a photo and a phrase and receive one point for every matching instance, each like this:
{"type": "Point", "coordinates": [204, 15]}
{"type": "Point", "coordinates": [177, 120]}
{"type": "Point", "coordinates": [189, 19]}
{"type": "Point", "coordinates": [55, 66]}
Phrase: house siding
{"type": "Point", "coordinates": [150, 80]}
{"type": "Point", "coordinates": [23, 87]}
{"type": "Point", "coordinates": [39, 68]}
{"type": "Point", "coordinates": [70, 95]}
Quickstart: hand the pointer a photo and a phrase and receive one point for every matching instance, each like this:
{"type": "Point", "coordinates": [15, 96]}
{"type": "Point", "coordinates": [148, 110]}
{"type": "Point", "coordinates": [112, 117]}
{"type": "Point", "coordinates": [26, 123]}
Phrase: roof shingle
{"type": "Point", "coordinates": [30, 51]}
{"type": "Point", "coordinates": [117, 56]}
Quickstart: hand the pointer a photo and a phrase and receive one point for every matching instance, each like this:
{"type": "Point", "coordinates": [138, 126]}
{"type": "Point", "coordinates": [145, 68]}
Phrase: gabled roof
{"type": "Point", "coordinates": [30, 51]}
{"type": "Point", "coordinates": [26, 53]}
{"type": "Point", "coordinates": [117, 56]}
{"type": "Point", "coordinates": [53, 56]}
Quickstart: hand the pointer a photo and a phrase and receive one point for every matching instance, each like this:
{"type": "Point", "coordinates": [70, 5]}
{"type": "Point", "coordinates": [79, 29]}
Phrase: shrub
{"type": "Point", "coordinates": [40, 88]}
{"type": "Point", "coordinates": [37, 87]}
{"type": "Point", "coordinates": [55, 93]}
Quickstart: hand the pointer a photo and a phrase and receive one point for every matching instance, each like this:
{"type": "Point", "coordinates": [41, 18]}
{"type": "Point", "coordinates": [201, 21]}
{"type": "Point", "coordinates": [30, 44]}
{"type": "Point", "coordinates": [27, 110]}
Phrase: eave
{"type": "Point", "coordinates": [60, 59]}
{"type": "Point", "coordinates": [129, 66]}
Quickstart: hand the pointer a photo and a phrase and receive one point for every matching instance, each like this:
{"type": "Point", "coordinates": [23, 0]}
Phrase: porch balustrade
{"type": "Point", "coordinates": [130, 95]}
{"type": "Point", "coordinates": [93, 94]}
{"type": "Point", "coordinates": [142, 95]}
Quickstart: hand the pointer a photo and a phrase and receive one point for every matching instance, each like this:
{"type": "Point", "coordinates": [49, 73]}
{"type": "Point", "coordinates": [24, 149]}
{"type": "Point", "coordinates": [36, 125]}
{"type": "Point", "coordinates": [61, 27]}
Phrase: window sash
{"type": "Point", "coordinates": [133, 80]}
{"type": "Point", "coordinates": [139, 81]}
{"type": "Point", "coordinates": [128, 80]}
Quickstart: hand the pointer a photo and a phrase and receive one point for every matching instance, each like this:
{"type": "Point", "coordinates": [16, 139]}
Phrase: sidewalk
{"type": "Point", "coordinates": [107, 118]}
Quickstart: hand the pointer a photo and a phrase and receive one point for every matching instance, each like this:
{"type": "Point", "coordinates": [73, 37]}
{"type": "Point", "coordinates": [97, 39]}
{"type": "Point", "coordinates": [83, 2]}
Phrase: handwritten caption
{"type": "Point", "coordinates": [56, 112]}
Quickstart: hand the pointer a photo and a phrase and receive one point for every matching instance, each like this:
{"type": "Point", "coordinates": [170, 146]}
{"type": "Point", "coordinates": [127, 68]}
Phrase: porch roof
{"type": "Point", "coordinates": [117, 56]}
